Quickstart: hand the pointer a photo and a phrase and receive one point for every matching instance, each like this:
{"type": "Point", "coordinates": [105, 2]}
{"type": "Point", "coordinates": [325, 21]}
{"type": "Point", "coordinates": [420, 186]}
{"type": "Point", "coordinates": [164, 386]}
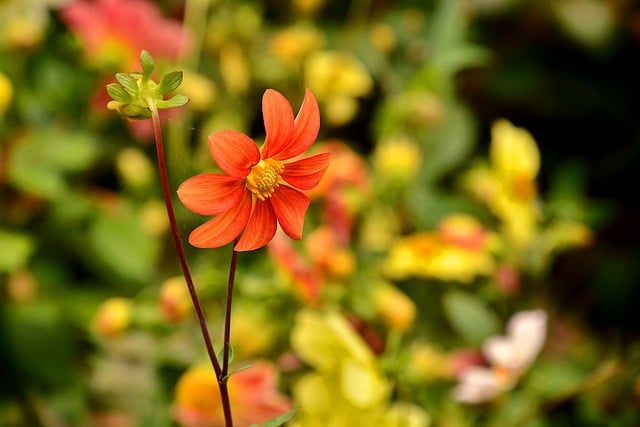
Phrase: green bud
{"type": "Point", "coordinates": [135, 93]}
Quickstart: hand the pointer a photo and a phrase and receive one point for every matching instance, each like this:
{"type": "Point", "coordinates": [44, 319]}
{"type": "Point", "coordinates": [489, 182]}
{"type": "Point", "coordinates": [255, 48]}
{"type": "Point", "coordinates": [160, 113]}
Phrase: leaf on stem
{"type": "Point", "coordinates": [278, 421]}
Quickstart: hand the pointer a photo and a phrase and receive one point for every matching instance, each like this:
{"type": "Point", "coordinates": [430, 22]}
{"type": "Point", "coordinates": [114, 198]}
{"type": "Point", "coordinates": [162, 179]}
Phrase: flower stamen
{"type": "Point", "coordinates": [264, 178]}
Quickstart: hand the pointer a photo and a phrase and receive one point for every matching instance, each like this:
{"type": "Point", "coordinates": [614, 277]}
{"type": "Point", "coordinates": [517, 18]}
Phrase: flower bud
{"type": "Point", "coordinates": [113, 317]}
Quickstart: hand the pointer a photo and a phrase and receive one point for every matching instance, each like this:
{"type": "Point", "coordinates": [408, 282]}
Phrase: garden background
{"type": "Point", "coordinates": [484, 155]}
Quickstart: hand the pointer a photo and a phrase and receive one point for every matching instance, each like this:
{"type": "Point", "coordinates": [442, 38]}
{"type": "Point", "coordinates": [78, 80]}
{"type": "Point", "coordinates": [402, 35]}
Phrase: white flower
{"type": "Point", "coordinates": [526, 332]}
{"type": "Point", "coordinates": [508, 356]}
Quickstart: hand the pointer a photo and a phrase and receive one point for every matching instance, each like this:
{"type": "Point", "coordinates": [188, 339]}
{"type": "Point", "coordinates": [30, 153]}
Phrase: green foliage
{"type": "Point", "coordinates": [471, 317]}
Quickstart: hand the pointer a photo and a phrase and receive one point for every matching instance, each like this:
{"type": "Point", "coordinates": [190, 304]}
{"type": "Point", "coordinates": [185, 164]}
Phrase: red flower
{"type": "Point", "coordinates": [114, 32]}
{"type": "Point", "coordinates": [261, 186]}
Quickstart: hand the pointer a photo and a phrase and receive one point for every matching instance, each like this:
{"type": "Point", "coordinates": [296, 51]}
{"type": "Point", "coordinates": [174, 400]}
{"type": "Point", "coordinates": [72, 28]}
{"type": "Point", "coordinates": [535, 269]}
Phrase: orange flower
{"type": "Point", "coordinates": [261, 186]}
{"type": "Point", "coordinates": [253, 394]}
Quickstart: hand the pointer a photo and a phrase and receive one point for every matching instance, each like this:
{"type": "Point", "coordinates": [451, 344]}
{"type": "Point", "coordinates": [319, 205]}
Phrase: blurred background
{"type": "Point", "coordinates": [484, 155]}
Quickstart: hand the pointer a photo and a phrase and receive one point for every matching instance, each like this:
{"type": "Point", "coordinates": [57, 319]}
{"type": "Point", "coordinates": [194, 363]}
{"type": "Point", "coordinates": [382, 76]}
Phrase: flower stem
{"type": "Point", "coordinates": [224, 375]}
{"type": "Point", "coordinates": [221, 373]}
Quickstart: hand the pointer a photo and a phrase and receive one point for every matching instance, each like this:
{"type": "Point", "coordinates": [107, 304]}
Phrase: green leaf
{"type": "Point", "coordinates": [119, 93]}
{"type": "Point", "coordinates": [221, 354]}
{"type": "Point", "coordinates": [120, 244]}
{"type": "Point", "coordinates": [40, 160]}
{"type": "Point", "coordinates": [278, 421]}
{"type": "Point", "coordinates": [147, 62]}
{"type": "Point", "coordinates": [129, 83]}
{"type": "Point", "coordinates": [177, 101]}
{"type": "Point", "coordinates": [16, 250]}
{"type": "Point", "coordinates": [472, 319]}
{"type": "Point", "coordinates": [170, 82]}
{"type": "Point", "coordinates": [39, 343]}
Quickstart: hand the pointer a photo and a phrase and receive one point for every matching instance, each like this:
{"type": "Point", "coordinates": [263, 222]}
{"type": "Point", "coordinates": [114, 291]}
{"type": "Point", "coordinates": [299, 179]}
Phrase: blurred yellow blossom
{"type": "Point", "coordinates": [200, 89]}
{"type": "Point", "coordinates": [378, 228]}
{"type": "Point", "coordinates": [515, 159]}
{"type": "Point", "coordinates": [397, 159]}
{"type": "Point", "coordinates": [174, 299]}
{"type": "Point", "coordinates": [395, 308]}
{"type": "Point", "coordinates": [459, 250]}
{"type": "Point", "coordinates": [247, 320]}
{"type": "Point", "coordinates": [347, 386]}
{"type": "Point", "coordinates": [153, 218]}
{"type": "Point", "coordinates": [294, 43]}
{"type": "Point", "coordinates": [383, 38]}
{"type": "Point", "coordinates": [508, 184]}
{"type": "Point", "coordinates": [307, 6]}
{"type": "Point", "coordinates": [134, 167]}
{"type": "Point", "coordinates": [23, 22]}
{"type": "Point", "coordinates": [338, 79]}
{"type": "Point", "coordinates": [113, 317]}
{"type": "Point", "coordinates": [6, 93]}
{"type": "Point", "coordinates": [234, 68]}
{"type": "Point", "coordinates": [426, 363]}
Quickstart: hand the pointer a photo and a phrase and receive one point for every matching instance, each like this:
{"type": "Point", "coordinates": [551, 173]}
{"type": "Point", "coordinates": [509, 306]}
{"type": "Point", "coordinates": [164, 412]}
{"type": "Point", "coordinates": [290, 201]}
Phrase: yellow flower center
{"type": "Point", "coordinates": [264, 178]}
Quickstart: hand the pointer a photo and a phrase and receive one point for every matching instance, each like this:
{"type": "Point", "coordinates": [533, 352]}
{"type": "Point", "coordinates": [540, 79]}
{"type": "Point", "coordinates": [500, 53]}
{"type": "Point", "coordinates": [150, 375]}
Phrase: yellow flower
{"type": "Point", "coordinates": [294, 43]}
{"type": "Point", "coordinates": [113, 317]}
{"type": "Point", "coordinates": [515, 159]}
{"type": "Point", "coordinates": [175, 302]}
{"type": "Point", "coordinates": [6, 93]}
{"type": "Point", "coordinates": [395, 308]}
{"type": "Point", "coordinates": [337, 79]}
{"type": "Point", "coordinates": [397, 159]}
{"type": "Point", "coordinates": [324, 340]}
{"type": "Point", "coordinates": [383, 38]}
{"type": "Point", "coordinates": [134, 168]}
{"type": "Point", "coordinates": [508, 184]}
{"type": "Point", "coordinates": [200, 89]}
{"type": "Point", "coordinates": [246, 321]}
{"type": "Point", "coordinates": [460, 251]}
{"type": "Point", "coordinates": [347, 386]}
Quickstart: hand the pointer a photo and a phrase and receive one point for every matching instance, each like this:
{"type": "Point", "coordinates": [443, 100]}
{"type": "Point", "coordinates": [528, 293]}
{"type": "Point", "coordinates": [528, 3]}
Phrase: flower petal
{"type": "Point", "coordinates": [210, 194]}
{"type": "Point", "coordinates": [306, 173]}
{"type": "Point", "coordinates": [223, 228]}
{"type": "Point", "coordinates": [305, 128]}
{"type": "Point", "coordinates": [234, 152]}
{"type": "Point", "coordinates": [290, 206]}
{"type": "Point", "coordinates": [260, 228]}
{"type": "Point", "coordinates": [278, 123]}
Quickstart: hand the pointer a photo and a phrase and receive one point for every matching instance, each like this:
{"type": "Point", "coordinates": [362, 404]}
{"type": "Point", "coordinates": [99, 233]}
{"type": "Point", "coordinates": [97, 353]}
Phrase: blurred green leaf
{"type": "Point", "coordinates": [121, 244]}
{"type": "Point", "coordinates": [471, 317]}
{"type": "Point", "coordinates": [16, 250]}
{"type": "Point", "coordinates": [555, 378]}
{"type": "Point", "coordinates": [41, 345]}
{"type": "Point", "coordinates": [40, 160]}
{"type": "Point", "coordinates": [278, 421]}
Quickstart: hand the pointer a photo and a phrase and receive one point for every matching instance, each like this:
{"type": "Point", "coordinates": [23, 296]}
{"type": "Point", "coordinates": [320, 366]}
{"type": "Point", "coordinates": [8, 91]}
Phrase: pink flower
{"type": "Point", "coordinates": [253, 394]}
{"type": "Point", "coordinates": [508, 356]}
{"type": "Point", "coordinates": [113, 32]}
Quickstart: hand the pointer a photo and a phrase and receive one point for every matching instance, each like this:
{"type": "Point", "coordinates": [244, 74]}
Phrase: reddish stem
{"type": "Point", "coordinates": [221, 373]}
